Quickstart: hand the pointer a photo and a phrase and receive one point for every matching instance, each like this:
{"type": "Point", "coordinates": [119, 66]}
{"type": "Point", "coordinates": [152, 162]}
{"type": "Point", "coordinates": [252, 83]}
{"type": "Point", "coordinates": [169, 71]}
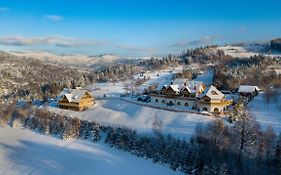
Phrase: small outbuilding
{"type": "Point", "coordinates": [248, 90]}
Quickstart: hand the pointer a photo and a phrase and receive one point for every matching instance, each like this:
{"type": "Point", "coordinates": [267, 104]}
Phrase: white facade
{"type": "Point", "coordinates": [180, 102]}
{"type": "Point", "coordinates": [210, 107]}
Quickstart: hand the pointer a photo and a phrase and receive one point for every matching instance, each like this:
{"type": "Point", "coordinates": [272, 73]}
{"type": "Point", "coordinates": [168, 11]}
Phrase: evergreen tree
{"type": "Point", "coordinates": [95, 132]}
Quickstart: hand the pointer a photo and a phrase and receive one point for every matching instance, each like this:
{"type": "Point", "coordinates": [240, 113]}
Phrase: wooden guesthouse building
{"type": "Point", "coordinates": [76, 99]}
{"type": "Point", "coordinates": [191, 94]}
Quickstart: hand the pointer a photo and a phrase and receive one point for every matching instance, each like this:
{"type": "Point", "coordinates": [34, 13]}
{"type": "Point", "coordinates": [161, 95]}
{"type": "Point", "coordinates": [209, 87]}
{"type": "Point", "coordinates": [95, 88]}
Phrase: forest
{"type": "Point", "coordinates": [29, 79]}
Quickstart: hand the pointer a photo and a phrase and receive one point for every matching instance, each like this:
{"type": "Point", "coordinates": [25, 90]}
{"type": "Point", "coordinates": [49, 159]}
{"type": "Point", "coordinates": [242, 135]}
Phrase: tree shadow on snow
{"type": "Point", "coordinates": [36, 158]}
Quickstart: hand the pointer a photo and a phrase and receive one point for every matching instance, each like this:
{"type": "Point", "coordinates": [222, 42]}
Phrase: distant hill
{"type": "Point", "coordinates": [275, 44]}
{"type": "Point", "coordinates": [76, 60]}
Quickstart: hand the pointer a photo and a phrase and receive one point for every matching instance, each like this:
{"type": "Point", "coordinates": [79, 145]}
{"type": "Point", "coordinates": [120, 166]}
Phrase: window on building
{"type": "Point", "coordinates": [214, 93]}
{"type": "Point", "coordinates": [186, 104]}
{"type": "Point", "coordinates": [156, 100]}
{"type": "Point", "coordinates": [179, 103]}
{"type": "Point", "coordinates": [216, 110]}
{"type": "Point", "coordinates": [171, 103]}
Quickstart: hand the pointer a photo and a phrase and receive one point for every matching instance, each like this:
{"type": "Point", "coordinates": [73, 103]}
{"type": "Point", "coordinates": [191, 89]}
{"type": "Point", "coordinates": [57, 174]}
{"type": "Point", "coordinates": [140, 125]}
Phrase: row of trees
{"type": "Point", "coordinates": [157, 64]}
{"type": "Point", "coordinates": [204, 55]}
{"type": "Point", "coordinates": [275, 45]}
{"type": "Point", "coordinates": [240, 148]}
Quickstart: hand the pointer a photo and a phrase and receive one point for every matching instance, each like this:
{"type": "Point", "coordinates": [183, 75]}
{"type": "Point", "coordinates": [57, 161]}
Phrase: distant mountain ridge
{"type": "Point", "coordinates": [67, 59]}
{"type": "Point", "coordinates": [75, 60]}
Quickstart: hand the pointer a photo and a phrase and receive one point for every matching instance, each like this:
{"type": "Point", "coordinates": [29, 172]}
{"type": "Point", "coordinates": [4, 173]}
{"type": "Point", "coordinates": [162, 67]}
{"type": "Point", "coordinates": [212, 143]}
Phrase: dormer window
{"type": "Point", "coordinates": [214, 93]}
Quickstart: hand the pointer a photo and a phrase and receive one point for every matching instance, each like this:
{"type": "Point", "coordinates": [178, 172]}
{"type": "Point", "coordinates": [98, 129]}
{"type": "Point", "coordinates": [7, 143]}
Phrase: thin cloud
{"type": "Point", "coordinates": [58, 41]}
{"type": "Point", "coordinates": [54, 17]}
{"type": "Point", "coordinates": [4, 9]}
{"type": "Point", "coordinates": [136, 49]}
{"type": "Point", "coordinates": [202, 41]}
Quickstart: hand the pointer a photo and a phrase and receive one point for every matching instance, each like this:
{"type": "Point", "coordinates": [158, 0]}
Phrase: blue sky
{"type": "Point", "coordinates": [134, 28]}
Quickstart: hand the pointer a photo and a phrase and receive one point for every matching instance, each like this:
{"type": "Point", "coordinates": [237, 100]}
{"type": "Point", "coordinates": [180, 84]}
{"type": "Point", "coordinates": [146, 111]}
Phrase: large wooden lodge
{"type": "Point", "coordinates": [75, 99]}
{"type": "Point", "coordinates": [190, 94]}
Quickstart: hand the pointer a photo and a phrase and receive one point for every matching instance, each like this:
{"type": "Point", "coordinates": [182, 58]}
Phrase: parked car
{"type": "Point", "coordinates": [147, 99]}
{"type": "Point", "coordinates": [144, 98]}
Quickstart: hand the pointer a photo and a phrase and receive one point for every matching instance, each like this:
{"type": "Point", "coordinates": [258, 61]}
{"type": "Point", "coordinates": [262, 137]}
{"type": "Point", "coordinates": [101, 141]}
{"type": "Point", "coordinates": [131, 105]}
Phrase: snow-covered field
{"type": "Point", "coordinates": [107, 88]}
{"type": "Point", "coordinates": [140, 118]}
{"type": "Point", "coordinates": [267, 114]}
{"type": "Point", "coordinates": [245, 52]}
{"type": "Point", "coordinates": [239, 52]}
{"type": "Point", "coordinates": [23, 152]}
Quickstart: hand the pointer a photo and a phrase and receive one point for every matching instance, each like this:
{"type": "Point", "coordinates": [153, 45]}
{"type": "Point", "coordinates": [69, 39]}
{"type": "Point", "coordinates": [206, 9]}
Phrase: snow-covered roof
{"type": "Point", "coordinates": [190, 90]}
{"type": "Point", "coordinates": [63, 92]}
{"type": "Point", "coordinates": [195, 85]}
{"type": "Point", "coordinates": [175, 87]}
{"type": "Point", "coordinates": [213, 93]}
{"type": "Point", "coordinates": [75, 95]}
{"type": "Point", "coordinates": [247, 89]}
{"type": "Point", "coordinates": [180, 82]}
{"type": "Point", "coordinates": [141, 89]}
{"type": "Point", "coordinates": [163, 83]}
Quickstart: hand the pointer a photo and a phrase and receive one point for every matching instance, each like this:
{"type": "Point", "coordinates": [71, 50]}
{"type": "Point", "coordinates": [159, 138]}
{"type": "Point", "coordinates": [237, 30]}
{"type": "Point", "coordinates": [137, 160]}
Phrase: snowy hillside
{"type": "Point", "coordinates": [140, 118]}
{"type": "Point", "coordinates": [247, 51]}
{"type": "Point", "coordinates": [25, 152]}
{"type": "Point", "coordinates": [239, 52]}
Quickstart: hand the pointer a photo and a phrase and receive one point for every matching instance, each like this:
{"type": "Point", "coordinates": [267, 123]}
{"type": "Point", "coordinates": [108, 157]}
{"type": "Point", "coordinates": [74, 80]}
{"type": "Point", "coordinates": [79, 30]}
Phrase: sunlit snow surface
{"type": "Point", "coordinates": [23, 152]}
{"type": "Point", "coordinates": [267, 114]}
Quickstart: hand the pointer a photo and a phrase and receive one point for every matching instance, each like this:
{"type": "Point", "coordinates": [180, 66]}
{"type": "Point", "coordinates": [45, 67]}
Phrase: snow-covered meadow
{"type": "Point", "coordinates": [246, 51]}
{"type": "Point", "coordinates": [140, 118]}
{"type": "Point", "coordinates": [238, 52]}
{"type": "Point", "coordinates": [267, 114]}
{"type": "Point", "coordinates": [24, 152]}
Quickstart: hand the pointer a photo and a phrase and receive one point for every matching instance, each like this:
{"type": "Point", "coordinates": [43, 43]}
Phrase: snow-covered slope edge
{"type": "Point", "coordinates": [25, 152]}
